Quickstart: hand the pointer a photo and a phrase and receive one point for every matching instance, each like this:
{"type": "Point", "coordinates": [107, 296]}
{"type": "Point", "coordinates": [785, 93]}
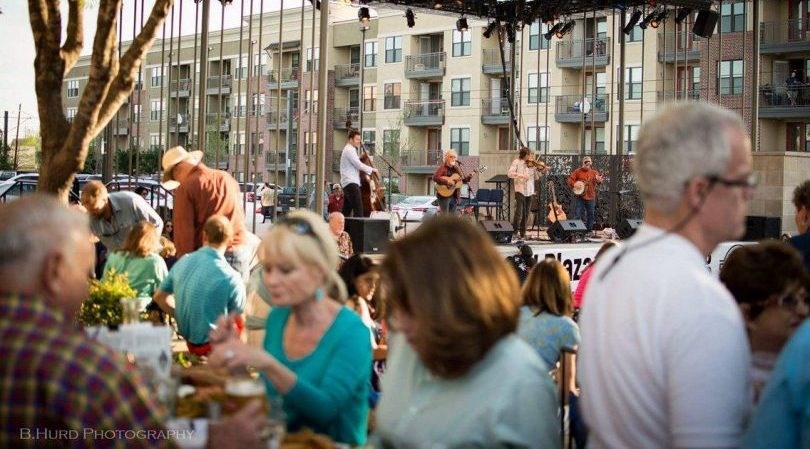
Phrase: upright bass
{"type": "Point", "coordinates": [371, 188]}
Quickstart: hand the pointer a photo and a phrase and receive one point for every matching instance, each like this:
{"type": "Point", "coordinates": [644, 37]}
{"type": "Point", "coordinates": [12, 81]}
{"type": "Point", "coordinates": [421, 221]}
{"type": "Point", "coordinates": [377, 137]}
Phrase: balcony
{"type": "Point", "coordinates": [121, 127]}
{"type": "Point", "coordinates": [219, 122]}
{"type": "Point", "coordinates": [178, 123]}
{"type": "Point", "coordinates": [424, 113]}
{"type": "Point", "coordinates": [784, 36]}
{"type": "Point", "coordinates": [491, 61]}
{"type": "Point", "coordinates": [597, 53]}
{"type": "Point", "coordinates": [180, 88]}
{"type": "Point", "coordinates": [271, 162]}
{"type": "Point", "coordinates": [680, 47]}
{"type": "Point", "coordinates": [281, 119]}
{"type": "Point", "coordinates": [344, 118]}
{"type": "Point", "coordinates": [420, 161]}
{"type": "Point", "coordinates": [425, 66]}
{"type": "Point", "coordinates": [782, 102]}
{"type": "Point", "coordinates": [681, 94]}
{"type": "Point", "coordinates": [288, 77]}
{"type": "Point", "coordinates": [334, 158]}
{"type": "Point", "coordinates": [347, 75]}
{"type": "Point", "coordinates": [495, 111]}
{"type": "Point", "coordinates": [576, 108]}
{"type": "Point", "coordinates": [215, 82]}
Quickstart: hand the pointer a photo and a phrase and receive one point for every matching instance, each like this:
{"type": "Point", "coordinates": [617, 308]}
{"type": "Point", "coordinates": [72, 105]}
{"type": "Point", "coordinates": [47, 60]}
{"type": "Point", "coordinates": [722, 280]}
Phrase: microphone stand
{"type": "Point", "coordinates": [390, 168]}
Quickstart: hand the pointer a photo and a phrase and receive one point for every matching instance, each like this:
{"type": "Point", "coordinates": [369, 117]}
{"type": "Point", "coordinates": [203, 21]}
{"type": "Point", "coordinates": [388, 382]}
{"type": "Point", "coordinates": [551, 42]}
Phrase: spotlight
{"type": "Point", "coordinates": [364, 15]}
{"type": "Point", "coordinates": [226, 2]}
{"type": "Point", "coordinates": [683, 13]}
{"type": "Point", "coordinates": [316, 4]}
{"type": "Point", "coordinates": [647, 20]}
{"type": "Point", "coordinates": [510, 33]}
{"type": "Point", "coordinates": [437, 5]}
{"type": "Point", "coordinates": [659, 19]}
{"type": "Point", "coordinates": [565, 29]}
{"type": "Point", "coordinates": [461, 24]}
{"type": "Point", "coordinates": [632, 22]}
{"type": "Point", "coordinates": [553, 30]}
{"type": "Point", "coordinates": [490, 28]}
{"type": "Point", "coordinates": [410, 18]}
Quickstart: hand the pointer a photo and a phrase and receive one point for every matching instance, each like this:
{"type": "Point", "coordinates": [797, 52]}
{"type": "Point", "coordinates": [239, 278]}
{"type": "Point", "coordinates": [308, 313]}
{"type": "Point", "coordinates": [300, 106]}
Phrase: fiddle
{"type": "Point", "coordinates": [537, 165]}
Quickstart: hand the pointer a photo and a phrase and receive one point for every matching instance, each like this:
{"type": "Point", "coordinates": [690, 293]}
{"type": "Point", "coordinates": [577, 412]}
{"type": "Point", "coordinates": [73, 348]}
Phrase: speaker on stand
{"type": "Point", "coordinates": [705, 23]}
{"type": "Point", "coordinates": [369, 235]}
{"type": "Point", "coordinates": [566, 230]}
{"type": "Point", "coordinates": [627, 227]}
{"type": "Point", "coordinates": [500, 230]}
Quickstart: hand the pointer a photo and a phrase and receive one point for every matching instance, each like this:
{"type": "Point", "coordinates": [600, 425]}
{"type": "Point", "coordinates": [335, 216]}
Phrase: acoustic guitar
{"type": "Point", "coordinates": [445, 191]}
{"type": "Point", "coordinates": [555, 209]}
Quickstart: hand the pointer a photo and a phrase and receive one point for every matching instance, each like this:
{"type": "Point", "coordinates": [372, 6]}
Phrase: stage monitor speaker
{"type": "Point", "coordinates": [369, 235]}
{"type": "Point", "coordinates": [759, 228]}
{"type": "Point", "coordinates": [705, 22]}
{"type": "Point", "coordinates": [500, 230]}
{"type": "Point", "coordinates": [566, 229]}
{"type": "Point", "coordinates": [627, 227]}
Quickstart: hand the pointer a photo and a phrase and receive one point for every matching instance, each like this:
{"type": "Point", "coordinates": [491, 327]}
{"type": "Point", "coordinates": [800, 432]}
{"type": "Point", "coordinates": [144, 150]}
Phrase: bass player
{"type": "Point", "coordinates": [525, 171]}
{"type": "Point", "coordinates": [583, 182]}
{"type": "Point", "coordinates": [444, 176]}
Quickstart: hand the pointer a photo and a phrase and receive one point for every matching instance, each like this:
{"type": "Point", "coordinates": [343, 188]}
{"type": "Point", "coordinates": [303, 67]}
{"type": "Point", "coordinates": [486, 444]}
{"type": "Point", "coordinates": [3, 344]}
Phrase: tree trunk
{"type": "Point", "coordinates": [110, 82]}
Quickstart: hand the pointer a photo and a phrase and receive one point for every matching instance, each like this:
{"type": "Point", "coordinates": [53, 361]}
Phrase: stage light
{"type": "Point", "coordinates": [410, 18]}
{"type": "Point", "coordinates": [461, 24]}
{"type": "Point", "coordinates": [647, 20]}
{"type": "Point", "coordinates": [437, 5]}
{"type": "Point", "coordinates": [659, 19]}
{"type": "Point", "coordinates": [510, 33]}
{"type": "Point", "coordinates": [683, 13]}
{"type": "Point", "coordinates": [632, 22]}
{"type": "Point", "coordinates": [364, 15]}
{"type": "Point", "coordinates": [565, 29]}
{"type": "Point", "coordinates": [316, 4]}
{"type": "Point", "coordinates": [490, 28]}
{"type": "Point", "coordinates": [553, 30]}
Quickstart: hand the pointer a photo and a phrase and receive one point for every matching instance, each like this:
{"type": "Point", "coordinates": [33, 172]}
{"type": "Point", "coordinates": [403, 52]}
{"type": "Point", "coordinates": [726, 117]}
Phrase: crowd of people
{"type": "Point", "coordinates": [442, 343]}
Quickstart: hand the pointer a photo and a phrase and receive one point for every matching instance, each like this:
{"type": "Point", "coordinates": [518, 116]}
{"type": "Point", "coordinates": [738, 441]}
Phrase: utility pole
{"type": "Point", "coordinates": [202, 134]}
{"type": "Point", "coordinates": [17, 138]}
{"type": "Point", "coordinates": [323, 96]}
{"type": "Point", "coordinates": [5, 131]}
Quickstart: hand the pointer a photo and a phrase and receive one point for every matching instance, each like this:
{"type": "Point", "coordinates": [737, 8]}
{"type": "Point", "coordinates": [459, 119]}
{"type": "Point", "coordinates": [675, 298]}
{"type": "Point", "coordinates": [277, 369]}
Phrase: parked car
{"type": "Point", "coordinates": [290, 197]}
{"type": "Point", "coordinates": [157, 196]}
{"type": "Point", "coordinates": [416, 208]}
{"type": "Point", "coordinates": [20, 185]}
{"type": "Point", "coordinates": [5, 175]}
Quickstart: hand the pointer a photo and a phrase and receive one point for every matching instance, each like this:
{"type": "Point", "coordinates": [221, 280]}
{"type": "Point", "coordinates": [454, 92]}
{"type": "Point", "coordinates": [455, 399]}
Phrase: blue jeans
{"type": "Point", "coordinates": [447, 205]}
{"type": "Point", "coordinates": [583, 207]}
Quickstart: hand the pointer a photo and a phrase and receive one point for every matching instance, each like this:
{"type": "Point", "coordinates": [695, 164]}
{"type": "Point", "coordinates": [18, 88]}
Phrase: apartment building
{"type": "Point", "coordinates": [417, 90]}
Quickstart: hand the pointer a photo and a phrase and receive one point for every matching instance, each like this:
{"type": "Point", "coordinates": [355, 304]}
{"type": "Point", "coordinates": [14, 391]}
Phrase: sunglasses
{"type": "Point", "coordinates": [298, 226]}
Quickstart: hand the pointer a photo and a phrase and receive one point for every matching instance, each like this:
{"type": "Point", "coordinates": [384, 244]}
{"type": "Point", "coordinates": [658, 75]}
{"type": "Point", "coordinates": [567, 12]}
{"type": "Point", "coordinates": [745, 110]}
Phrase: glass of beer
{"type": "Point", "coordinates": [239, 391]}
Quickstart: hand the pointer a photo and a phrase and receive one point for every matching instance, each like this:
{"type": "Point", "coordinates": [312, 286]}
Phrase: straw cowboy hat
{"type": "Point", "coordinates": [174, 156]}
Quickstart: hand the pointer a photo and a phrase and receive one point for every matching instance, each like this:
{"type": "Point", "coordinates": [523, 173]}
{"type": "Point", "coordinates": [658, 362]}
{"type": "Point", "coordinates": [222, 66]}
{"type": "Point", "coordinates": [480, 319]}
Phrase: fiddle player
{"type": "Point", "coordinates": [525, 171]}
{"type": "Point", "coordinates": [350, 168]}
{"type": "Point", "coordinates": [444, 176]}
{"type": "Point", "coordinates": [583, 181]}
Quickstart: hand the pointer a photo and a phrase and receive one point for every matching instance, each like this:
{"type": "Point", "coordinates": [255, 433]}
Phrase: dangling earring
{"type": "Point", "coordinates": [319, 294]}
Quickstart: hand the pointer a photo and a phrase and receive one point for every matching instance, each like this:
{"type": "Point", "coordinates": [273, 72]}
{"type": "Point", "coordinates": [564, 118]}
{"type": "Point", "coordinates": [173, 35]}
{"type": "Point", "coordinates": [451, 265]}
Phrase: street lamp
{"type": "Point", "coordinates": [363, 28]}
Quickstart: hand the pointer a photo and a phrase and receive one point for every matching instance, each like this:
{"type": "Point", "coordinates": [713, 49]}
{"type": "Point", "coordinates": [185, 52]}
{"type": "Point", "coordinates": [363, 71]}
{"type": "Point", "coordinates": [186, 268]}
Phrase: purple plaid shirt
{"type": "Point", "coordinates": [60, 389]}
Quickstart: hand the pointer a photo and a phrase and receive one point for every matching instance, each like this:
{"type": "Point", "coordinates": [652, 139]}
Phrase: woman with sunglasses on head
{"type": "Point", "coordinates": [317, 352]}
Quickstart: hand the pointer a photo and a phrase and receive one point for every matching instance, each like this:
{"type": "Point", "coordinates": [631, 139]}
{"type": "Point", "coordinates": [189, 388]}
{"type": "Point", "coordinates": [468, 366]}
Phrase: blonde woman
{"type": "Point", "coordinates": [139, 260]}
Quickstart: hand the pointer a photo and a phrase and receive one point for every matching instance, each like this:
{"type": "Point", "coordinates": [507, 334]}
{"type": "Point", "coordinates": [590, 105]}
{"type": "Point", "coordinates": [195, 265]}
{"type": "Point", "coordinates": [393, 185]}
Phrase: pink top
{"type": "Point", "coordinates": [583, 282]}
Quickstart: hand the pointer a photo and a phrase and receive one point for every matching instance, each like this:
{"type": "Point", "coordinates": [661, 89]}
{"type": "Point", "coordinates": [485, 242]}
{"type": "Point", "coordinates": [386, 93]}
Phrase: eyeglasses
{"type": "Point", "coordinates": [750, 181]}
{"type": "Point", "coordinates": [793, 301]}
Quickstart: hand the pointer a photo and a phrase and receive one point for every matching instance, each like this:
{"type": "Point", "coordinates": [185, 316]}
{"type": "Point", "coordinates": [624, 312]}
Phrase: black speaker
{"type": "Point", "coordinates": [705, 22]}
{"type": "Point", "coordinates": [369, 235]}
{"type": "Point", "coordinates": [627, 227]}
{"type": "Point", "coordinates": [758, 228]}
{"type": "Point", "coordinates": [566, 229]}
{"type": "Point", "coordinates": [500, 230]}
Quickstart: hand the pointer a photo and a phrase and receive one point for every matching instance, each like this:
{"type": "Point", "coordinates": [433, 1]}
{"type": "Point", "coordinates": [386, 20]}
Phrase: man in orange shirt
{"type": "Point", "coordinates": [583, 181]}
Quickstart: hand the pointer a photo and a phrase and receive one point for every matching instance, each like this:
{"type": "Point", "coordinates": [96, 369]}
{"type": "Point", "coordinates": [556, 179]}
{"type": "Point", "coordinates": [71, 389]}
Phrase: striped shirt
{"type": "Point", "coordinates": [61, 389]}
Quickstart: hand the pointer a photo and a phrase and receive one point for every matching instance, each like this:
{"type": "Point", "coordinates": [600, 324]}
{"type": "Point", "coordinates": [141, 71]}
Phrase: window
{"type": "Point", "coordinates": [156, 112]}
{"type": "Point", "coordinates": [242, 68]}
{"type": "Point", "coordinates": [370, 54]}
{"type": "Point", "coordinates": [695, 82]}
{"type": "Point", "coordinates": [73, 88]}
{"type": "Point", "coordinates": [393, 49]}
{"type": "Point", "coordinates": [462, 43]}
{"type": "Point", "coordinates": [390, 142]}
{"type": "Point", "coordinates": [70, 114]}
{"type": "Point", "coordinates": [154, 142]}
{"type": "Point", "coordinates": [632, 83]}
{"type": "Point", "coordinates": [601, 83]}
{"type": "Point", "coordinates": [257, 144]}
{"type": "Point", "coordinates": [259, 64]}
{"type": "Point", "coordinates": [392, 95]}
{"type": "Point", "coordinates": [538, 88]}
{"type": "Point", "coordinates": [536, 38]}
{"type": "Point", "coordinates": [240, 104]}
{"type": "Point", "coordinates": [599, 134]}
{"type": "Point", "coordinates": [460, 92]}
{"type": "Point", "coordinates": [310, 142]}
{"type": "Point", "coordinates": [157, 78]}
{"type": "Point", "coordinates": [730, 77]}
{"type": "Point", "coordinates": [637, 35]}
{"type": "Point", "coordinates": [537, 138]}
{"type": "Point", "coordinates": [314, 96]}
{"type": "Point", "coordinates": [369, 98]}
{"type": "Point", "coordinates": [239, 143]}
{"type": "Point", "coordinates": [257, 105]}
{"type": "Point", "coordinates": [732, 17]}
{"type": "Point", "coordinates": [309, 58]}
{"type": "Point", "coordinates": [460, 140]}
{"type": "Point", "coordinates": [136, 113]}
{"type": "Point", "coordinates": [369, 137]}
{"type": "Point", "coordinates": [630, 137]}
{"type": "Point", "coordinates": [354, 99]}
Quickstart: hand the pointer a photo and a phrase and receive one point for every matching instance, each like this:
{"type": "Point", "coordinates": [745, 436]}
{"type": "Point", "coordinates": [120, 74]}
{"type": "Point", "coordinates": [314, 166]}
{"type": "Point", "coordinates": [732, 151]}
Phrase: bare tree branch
{"type": "Point", "coordinates": [131, 60]}
{"type": "Point", "coordinates": [72, 48]}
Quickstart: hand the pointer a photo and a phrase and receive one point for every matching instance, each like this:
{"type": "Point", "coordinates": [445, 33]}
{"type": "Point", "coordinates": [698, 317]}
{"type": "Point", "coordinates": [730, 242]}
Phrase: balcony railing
{"type": "Point", "coordinates": [424, 113]}
{"type": "Point", "coordinates": [420, 158]}
{"type": "Point", "coordinates": [220, 122]}
{"type": "Point", "coordinates": [181, 87]}
{"type": "Point", "coordinates": [596, 51]}
{"type": "Point", "coordinates": [491, 60]}
{"type": "Point", "coordinates": [342, 116]}
{"type": "Point", "coordinates": [788, 102]}
{"type": "Point", "coordinates": [178, 123]}
{"type": "Point", "coordinates": [214, 83]}
{"type": "Point", "coordinates": [495, 111]}
{"type": "Point", "coordinates": [785, 36]}
{"type": "Point", "coordinates": [575, 108]}
{"type": "Point", "coordinates": [678, 46]}
{"type": "Point", "coordinates": [288, 78]}
{"type": "Point", "coordinates": [347, 75]}
{"type": "Point", "coordinates": [280, 119]}
{"type": "Point", "coordinates": [681, 94]}
{"type": "Point", "coordinates": [121, 127]}
{"type": "Point", "coordinates": [426, 65]}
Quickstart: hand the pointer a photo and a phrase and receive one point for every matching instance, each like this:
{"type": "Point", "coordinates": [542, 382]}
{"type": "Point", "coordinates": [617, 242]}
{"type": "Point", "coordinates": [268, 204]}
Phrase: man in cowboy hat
{"type": "Point", "coordinates": [201, 193]}
{"type": "Point", "coordinates": [585, 199]}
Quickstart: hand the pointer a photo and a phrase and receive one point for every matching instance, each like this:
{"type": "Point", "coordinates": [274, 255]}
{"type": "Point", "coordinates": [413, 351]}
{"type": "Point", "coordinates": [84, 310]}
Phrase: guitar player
{"type": "Point", "coordinates": [583, 182]}
{"type": "Point", "coordinates": [525, 171]}
{"type": "Point", "coordinates": [443, 175]}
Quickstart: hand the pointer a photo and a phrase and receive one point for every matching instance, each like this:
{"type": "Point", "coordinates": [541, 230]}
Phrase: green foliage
{"type": "Point", "coordinates": [103, 307]}
{"type": "Point", "coordinates": [147, 161]}
{"type": "Point", "coordinates": [5, 161]}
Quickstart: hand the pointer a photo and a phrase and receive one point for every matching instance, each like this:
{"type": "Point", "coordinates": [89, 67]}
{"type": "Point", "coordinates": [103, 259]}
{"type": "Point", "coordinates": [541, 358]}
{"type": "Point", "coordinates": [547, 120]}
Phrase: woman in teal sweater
{"type": "Point", "coordinates": [138, 259]}
{"type": "Point", "coordinates": [316, 352]}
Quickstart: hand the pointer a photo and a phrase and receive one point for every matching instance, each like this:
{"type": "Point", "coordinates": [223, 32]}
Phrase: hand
{"type": "Point", "coordinates": [240, 430]}
{"type": "Point", "coordinates": [225, 329]}
{"type": "Point", "coordinates": [233, 354]}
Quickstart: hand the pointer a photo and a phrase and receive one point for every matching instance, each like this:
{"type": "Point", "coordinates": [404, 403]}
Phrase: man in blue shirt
{"type": "Point", "coordinates": [112, 215]}
{"type": "Point", "coordinates": [204, 287]}
{"type": "Point", "coordinates": [801, 199]}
